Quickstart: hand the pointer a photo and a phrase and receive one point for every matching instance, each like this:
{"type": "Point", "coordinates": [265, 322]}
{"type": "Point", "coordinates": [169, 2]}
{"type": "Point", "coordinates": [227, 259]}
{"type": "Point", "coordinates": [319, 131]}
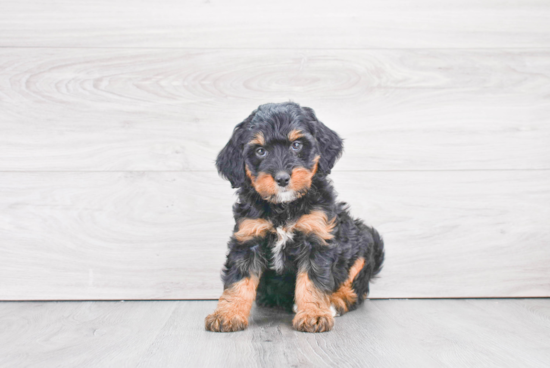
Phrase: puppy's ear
{"type": "Point", "coordinates": [330, 145]}
{"type": "Point", "coordinates": [230, 161]}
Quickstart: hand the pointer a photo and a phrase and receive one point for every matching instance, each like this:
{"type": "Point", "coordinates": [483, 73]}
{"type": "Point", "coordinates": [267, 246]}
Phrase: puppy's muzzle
{"type": "Point", "coordinates": [282, 178]}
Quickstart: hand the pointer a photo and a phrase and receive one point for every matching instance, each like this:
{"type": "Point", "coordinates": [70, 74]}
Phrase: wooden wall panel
{"type": "Point", "coordinates": [163, 235]}
{"type": "Point", "coordinates": [158, 110]}
{"type": "Point", "coordinates": [111, 115]}
{"type": "Point", "coordinates": [282, 24]}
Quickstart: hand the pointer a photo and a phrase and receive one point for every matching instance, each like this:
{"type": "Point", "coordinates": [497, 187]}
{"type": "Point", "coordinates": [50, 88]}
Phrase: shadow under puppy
{"type": "Point", "coordinates": [293, 243]}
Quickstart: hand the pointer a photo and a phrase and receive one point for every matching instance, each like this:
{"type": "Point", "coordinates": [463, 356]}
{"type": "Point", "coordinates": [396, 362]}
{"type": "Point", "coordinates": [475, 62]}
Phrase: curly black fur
{"type": "Point", "coordinates": [327, 261]}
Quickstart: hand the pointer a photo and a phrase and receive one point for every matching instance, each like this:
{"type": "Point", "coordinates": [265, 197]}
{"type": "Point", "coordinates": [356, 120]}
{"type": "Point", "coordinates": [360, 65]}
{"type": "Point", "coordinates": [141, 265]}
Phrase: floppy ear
{"type": "Point", "coordinates": [230, 161]}
{"type": "Point", "coordinates": [330, 145]}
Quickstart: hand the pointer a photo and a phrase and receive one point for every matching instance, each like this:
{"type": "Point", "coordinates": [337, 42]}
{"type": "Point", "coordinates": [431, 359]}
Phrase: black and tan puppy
{"type": "Point", "coordinates": [293, 243]}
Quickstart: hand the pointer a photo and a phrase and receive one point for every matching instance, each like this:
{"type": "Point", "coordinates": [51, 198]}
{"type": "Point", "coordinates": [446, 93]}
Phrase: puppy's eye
{"type": "Point", "coordinates": [261, 152]}
{"type": "Point", "coordinates": [296, 145]}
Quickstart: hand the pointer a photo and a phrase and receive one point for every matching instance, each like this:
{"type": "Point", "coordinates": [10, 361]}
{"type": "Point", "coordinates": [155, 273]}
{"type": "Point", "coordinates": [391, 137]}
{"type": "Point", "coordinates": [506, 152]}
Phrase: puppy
{"type": "Point", "coordinates": [293, 243]}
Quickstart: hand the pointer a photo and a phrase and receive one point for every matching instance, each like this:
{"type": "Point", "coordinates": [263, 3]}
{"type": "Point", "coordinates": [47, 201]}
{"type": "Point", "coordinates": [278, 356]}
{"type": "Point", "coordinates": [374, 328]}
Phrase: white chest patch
{"type": "Point", "coordinates": [282, 237]}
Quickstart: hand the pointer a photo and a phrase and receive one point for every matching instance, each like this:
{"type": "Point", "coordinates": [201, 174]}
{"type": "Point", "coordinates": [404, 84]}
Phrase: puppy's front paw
{"type": "Point", "coordinates": [225, 322]}
{"type": "Point", "coordinates": [310, 321]}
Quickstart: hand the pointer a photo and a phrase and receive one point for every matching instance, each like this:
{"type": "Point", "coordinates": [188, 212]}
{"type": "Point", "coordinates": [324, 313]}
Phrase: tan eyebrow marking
{"type": "Point", "coordinates": [258, 139]}
{"type": "Point", "coordinates": [295, 134]}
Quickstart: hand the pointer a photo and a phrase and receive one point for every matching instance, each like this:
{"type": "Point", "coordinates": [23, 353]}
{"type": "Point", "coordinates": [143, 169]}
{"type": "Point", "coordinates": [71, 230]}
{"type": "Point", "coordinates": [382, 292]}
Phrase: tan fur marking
{"type": "Point", "coordinates": [313, 307]}
{"type": "Point", "coordinates": [251, 228]}
{"type": "Point", "coordinates": [264, 184]}
{"type": "Point", "coordinates": [258, 139]}
{"type": "Point", "coordinates": [301, 177]}
{"type": "Point", "coordinates": [294, 134]}
{"type": "Point", "coordinates": [300, 181]}
{"type": "Point", "coordinates": [355, 269]}
{"type": "Point", "coordinates": [316, 223]}
{"type": "Point", "coordinates": [233, 307]}
{"type": "Point", "coordinates": [345, 297]}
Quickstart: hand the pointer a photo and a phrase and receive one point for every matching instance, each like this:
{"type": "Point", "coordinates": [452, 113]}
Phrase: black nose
{"type": "Point", "coordinates": [282, 178]}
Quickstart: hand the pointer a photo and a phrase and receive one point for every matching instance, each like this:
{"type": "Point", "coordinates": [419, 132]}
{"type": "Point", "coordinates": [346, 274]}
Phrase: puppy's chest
{"type": "Point", "coordinates": [284, 237]}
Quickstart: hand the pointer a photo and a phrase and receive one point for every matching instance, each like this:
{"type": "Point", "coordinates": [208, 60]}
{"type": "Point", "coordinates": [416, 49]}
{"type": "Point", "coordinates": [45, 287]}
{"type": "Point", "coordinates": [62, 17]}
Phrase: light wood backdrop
{"type": "Point", "coordinates": [111, 115]}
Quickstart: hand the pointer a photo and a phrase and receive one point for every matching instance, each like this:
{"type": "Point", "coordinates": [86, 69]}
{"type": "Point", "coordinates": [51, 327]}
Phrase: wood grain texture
{"type": "Point", "coordinates": [156, 110]}
{"type": "Point", "coordinates": [283, 24]}
{"type": "Point", "coordinates": [163, 235]}
{"type": "Point", "coordinates": [112, 114]}
{"type": "Point", "coordinates": [381, 333]}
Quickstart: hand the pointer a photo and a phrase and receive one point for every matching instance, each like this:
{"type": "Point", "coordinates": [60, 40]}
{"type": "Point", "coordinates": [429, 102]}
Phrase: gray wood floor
{"type": "Point", "coordinates": [382, 333]}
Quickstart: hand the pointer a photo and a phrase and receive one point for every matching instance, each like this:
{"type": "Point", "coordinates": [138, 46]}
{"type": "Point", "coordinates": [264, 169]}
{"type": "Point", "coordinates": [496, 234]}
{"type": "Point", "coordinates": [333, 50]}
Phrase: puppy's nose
{"type": "Point", "coordinates": [282, 178]}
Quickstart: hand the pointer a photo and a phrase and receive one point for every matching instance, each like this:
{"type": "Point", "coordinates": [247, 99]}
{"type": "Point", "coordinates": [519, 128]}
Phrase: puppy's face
{"type": "Point", "coordinates": [278, 150]}
{"type": "Point", "coordinates": [281, 160]}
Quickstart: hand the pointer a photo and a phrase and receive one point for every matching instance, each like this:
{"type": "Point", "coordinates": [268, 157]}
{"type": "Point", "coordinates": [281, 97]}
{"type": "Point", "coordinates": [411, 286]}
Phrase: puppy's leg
{"type": "Point", "coordinates": [243, 268]}
{"type": "Point", "coordinates": [355, 289]}
{"type": "Point", "coordinates": [313, 312]}
{"type": "Point", "coordinates": [345, 297]}
{"type": "Point", "coordinates": [234, 306]}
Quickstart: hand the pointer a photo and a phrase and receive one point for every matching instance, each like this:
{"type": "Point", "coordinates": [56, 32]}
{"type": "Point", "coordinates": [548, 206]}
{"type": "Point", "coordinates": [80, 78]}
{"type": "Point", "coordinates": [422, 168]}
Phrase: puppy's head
{"type": "Point", "coordinates": [278, 149]}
